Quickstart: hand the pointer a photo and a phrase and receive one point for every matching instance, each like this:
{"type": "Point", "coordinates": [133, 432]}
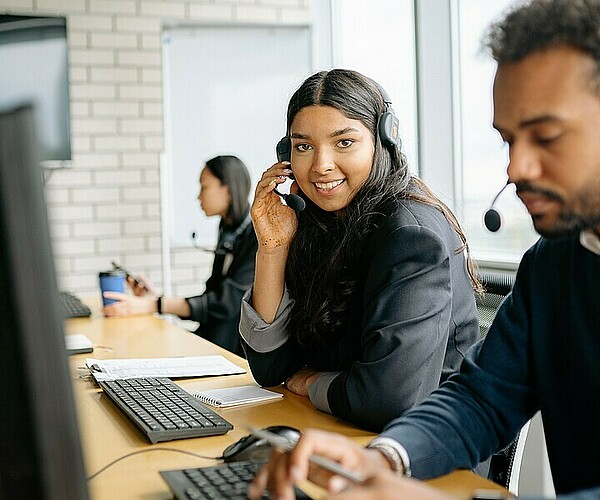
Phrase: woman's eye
{"type": "Point", "coordinates": [345, 143]}
{"type": "Point", "coordinates": [303, 147]}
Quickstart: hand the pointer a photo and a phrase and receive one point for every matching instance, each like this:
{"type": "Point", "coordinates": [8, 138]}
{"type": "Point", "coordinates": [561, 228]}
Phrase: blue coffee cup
{"type": "Point", "coordinates": [111, 281]}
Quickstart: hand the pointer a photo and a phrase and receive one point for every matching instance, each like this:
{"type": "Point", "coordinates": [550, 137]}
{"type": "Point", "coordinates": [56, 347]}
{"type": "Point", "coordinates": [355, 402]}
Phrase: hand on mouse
{"type": "Point", "coordinates": [285, 470]}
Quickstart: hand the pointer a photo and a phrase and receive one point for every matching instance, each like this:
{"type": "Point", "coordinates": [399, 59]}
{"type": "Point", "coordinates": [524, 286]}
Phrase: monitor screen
{"type": "Point", "coordinates": [40, 452]}
{"type": "Point", "coordinates": [34, 68]}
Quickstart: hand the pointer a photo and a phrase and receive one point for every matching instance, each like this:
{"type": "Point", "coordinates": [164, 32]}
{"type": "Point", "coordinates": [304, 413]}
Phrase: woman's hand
{"type": "Point", "coordinates": [128, 305]}
{"type": "Point", "coordinates": [284, 470]}
{"type": "Point", "coordinates": [300, 381]}
{"type": "Point", "coordinates": [275, 224]}
{"type": "Point", "coordinates": [141, 286]}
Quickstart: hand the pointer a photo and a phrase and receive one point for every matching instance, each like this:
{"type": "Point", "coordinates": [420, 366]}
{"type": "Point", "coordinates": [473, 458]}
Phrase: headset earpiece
{"type": "Point", "coordinates": [284, 149]}
{"type": "Point", "coordinates": [284, 153]}
{"type": "Point", "coordinates": [388, 129]}
{"type": "Point", "coordinates": [388, 124]}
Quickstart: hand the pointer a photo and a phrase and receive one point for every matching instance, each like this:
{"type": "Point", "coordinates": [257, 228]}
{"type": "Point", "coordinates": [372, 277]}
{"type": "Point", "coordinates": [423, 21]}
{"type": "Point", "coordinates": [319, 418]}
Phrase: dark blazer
{"type": "Point", "coordinates": [218, 308]}
{"type": "Point", "coordinates": [412, 318]}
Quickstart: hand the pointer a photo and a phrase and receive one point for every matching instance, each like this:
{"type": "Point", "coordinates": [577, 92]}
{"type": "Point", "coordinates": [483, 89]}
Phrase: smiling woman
{"type": "Point", "coordinates": [341, 150]}
{"type": "Point", "coordinates": [363, 301]}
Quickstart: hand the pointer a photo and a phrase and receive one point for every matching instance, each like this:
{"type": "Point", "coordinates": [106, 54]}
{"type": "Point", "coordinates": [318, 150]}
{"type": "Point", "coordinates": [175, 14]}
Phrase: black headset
{"type": "Point", "coordinates": [387, 127]}
{"type": "Point", "coordinates": [388, 124]}
{"type": "Point", "coordinates": [226, 241]}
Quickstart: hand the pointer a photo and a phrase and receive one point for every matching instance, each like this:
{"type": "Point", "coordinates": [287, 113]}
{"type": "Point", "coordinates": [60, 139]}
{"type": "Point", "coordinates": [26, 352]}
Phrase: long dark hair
{"type": "Point", "coordinates": [321, 271]}
{"type": "Point", "coordinates": [233, 173]}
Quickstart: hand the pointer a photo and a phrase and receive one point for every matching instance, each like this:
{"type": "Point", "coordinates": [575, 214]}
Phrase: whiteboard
{"type": "Point", "coordinates": [226, 92]}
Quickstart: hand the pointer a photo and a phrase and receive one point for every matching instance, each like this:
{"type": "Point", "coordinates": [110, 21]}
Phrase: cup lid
{"type": "Point", "coordinates": [112, 272]}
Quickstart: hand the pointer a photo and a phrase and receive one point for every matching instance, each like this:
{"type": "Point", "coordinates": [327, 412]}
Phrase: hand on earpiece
{"type": "Point", "coordinates": [274, 223]}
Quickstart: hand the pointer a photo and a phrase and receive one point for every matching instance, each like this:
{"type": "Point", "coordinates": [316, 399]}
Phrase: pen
{"type": "Point", "coordinates": [325, 463]}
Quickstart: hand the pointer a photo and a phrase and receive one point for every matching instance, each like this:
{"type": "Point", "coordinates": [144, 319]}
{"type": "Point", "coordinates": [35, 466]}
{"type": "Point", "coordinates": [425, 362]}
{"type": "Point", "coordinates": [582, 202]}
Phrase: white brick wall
{"type": "Point", "coordinates": [108, 206]}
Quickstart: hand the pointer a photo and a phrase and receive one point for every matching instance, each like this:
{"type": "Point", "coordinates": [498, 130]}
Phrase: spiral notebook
{"type": "Point", "coordinates": [234, 396]}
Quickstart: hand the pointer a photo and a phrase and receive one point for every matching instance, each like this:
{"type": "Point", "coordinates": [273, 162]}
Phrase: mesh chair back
{"type": "Point", "coordinates": [505, 466]}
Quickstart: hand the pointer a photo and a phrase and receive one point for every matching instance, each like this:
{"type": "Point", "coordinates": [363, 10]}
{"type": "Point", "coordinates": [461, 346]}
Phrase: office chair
{"type": "Point", "coordinates": [497, 285]}
{"type": "Point", "coordinates": [505, 465]}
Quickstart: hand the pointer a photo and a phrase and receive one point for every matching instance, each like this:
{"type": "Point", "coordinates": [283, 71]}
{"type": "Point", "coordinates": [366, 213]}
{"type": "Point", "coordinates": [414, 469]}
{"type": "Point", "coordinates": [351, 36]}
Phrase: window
{"type": "Point", "coordinates": [440, 81]}
{"type": "Point", "coordinates": [377, 39]}
{"type": "Point", "coordinates": [461, 156]}
{"type": "Point", "coordinates": [483, 155]}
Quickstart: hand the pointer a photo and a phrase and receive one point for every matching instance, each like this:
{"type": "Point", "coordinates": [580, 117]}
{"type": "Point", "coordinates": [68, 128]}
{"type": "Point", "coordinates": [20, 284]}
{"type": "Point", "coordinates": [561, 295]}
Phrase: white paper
{"type": "Point", "coordinates": [184, 366]}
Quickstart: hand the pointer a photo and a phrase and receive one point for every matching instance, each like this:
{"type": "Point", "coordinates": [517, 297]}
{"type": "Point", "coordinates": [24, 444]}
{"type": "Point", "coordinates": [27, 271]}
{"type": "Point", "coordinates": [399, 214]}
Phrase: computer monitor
{"type": "Point", "coordinates": [35, 68]}
{"type": "Point", "coordinates": [40, 451]}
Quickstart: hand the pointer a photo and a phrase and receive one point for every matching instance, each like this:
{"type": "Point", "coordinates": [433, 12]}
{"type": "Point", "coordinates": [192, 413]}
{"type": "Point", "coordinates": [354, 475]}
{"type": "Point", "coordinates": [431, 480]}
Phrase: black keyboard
{"type": "Point", "coordinates": [228, 480]}
{"type": "Point", "coordinates": [72, 307]}
{"type": "Point", "coordinates": [162, 410]}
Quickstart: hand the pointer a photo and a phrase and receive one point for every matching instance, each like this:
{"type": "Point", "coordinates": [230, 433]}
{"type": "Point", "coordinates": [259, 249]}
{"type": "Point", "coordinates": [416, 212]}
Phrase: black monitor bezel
{"type": "Point", "coordinates": [41, 453]}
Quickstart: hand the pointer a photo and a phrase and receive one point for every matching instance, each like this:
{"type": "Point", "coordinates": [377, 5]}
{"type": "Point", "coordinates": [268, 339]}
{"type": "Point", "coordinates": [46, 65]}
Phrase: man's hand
{"type": "Point", "coordinates": [284, 470]}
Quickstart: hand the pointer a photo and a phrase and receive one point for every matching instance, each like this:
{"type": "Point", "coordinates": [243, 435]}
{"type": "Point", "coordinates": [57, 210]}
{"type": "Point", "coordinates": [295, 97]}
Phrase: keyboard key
{"type": "Point", "coordinates": [72, 307]}
{"type": "Point", "coordinates": [228, 481]}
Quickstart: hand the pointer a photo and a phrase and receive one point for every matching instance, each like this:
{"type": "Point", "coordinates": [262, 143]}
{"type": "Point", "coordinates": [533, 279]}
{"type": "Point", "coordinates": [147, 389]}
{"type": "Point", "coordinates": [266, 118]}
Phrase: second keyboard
{"type": "Point", "coordinates": [162, 410]}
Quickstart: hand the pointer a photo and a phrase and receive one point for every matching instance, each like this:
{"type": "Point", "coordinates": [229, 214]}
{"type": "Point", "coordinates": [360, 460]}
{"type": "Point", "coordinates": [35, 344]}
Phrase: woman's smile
{"type": "Point", "coordinates": [332, 155]}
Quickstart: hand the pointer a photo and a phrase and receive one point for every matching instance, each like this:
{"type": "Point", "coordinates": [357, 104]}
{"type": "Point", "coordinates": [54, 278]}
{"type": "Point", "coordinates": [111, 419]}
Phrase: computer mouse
{"type": "Point", "coordinates": [257, 449]}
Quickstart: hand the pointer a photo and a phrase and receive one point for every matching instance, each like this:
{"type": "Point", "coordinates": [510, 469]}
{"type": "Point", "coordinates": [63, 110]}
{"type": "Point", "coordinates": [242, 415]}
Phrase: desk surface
{"type": "Point", "coordinates": [107, 434]}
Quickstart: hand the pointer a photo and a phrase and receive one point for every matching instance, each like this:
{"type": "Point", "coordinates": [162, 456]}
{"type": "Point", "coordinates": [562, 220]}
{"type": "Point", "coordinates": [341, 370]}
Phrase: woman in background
{"type": "Point", "coordinates": [364, 301]}
{"type": "Point", "coordinates": [224, 190]}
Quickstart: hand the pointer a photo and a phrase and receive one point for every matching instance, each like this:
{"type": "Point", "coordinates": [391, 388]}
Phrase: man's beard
{"type": "Point", "coordinates": [582, 214]}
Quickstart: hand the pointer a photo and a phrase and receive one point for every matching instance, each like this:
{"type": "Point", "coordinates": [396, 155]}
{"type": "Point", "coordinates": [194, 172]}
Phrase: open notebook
{"type": "Point", "coordinates": [234, 396]}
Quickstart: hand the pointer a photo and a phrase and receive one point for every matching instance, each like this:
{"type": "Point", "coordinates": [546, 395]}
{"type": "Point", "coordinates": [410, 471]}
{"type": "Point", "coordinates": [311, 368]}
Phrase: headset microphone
{"type": "Point", "coordinates": [193, 237]}
{"type": "Point", "coordinates": [492, 218]}
{"type": "Point", "coordinates": [292, 200]}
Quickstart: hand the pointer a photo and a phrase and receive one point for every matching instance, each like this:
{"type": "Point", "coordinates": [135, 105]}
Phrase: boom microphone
{"type": "Point", "coordinates": [492, 218]}
{"type": "Point", "coordinates": [193, 237]}
{"type": "Point", "coordinates": [292, 200]}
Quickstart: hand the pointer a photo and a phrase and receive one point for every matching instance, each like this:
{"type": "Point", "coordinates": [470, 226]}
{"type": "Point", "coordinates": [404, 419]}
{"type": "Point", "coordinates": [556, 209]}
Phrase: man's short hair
{"type": "Point", "coordinates": [537, 25]}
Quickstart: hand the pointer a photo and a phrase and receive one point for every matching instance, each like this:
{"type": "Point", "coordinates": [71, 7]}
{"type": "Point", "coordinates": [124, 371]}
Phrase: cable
{"type": "Point", "coordinates": [147, 450]}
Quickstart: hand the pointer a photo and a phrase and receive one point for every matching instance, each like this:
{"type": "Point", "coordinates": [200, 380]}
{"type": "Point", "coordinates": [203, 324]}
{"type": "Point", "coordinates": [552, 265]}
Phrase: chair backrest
{"type": "Point", "coordinates": [487, 306]}
{"type": "Point", "coordinates": [505, 465]}
{"type": "Point", "coordinates": [497, 285]}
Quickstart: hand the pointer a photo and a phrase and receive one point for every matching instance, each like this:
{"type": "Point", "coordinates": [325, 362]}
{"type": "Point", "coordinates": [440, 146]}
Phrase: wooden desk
{"type": "Point", "coordinates": [107, 434]}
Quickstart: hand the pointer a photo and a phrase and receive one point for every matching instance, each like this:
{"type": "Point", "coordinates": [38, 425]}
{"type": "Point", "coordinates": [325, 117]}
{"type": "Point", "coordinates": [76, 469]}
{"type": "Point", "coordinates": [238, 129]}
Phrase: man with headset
{"type": "Point", "coordinates": [543, 349]}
